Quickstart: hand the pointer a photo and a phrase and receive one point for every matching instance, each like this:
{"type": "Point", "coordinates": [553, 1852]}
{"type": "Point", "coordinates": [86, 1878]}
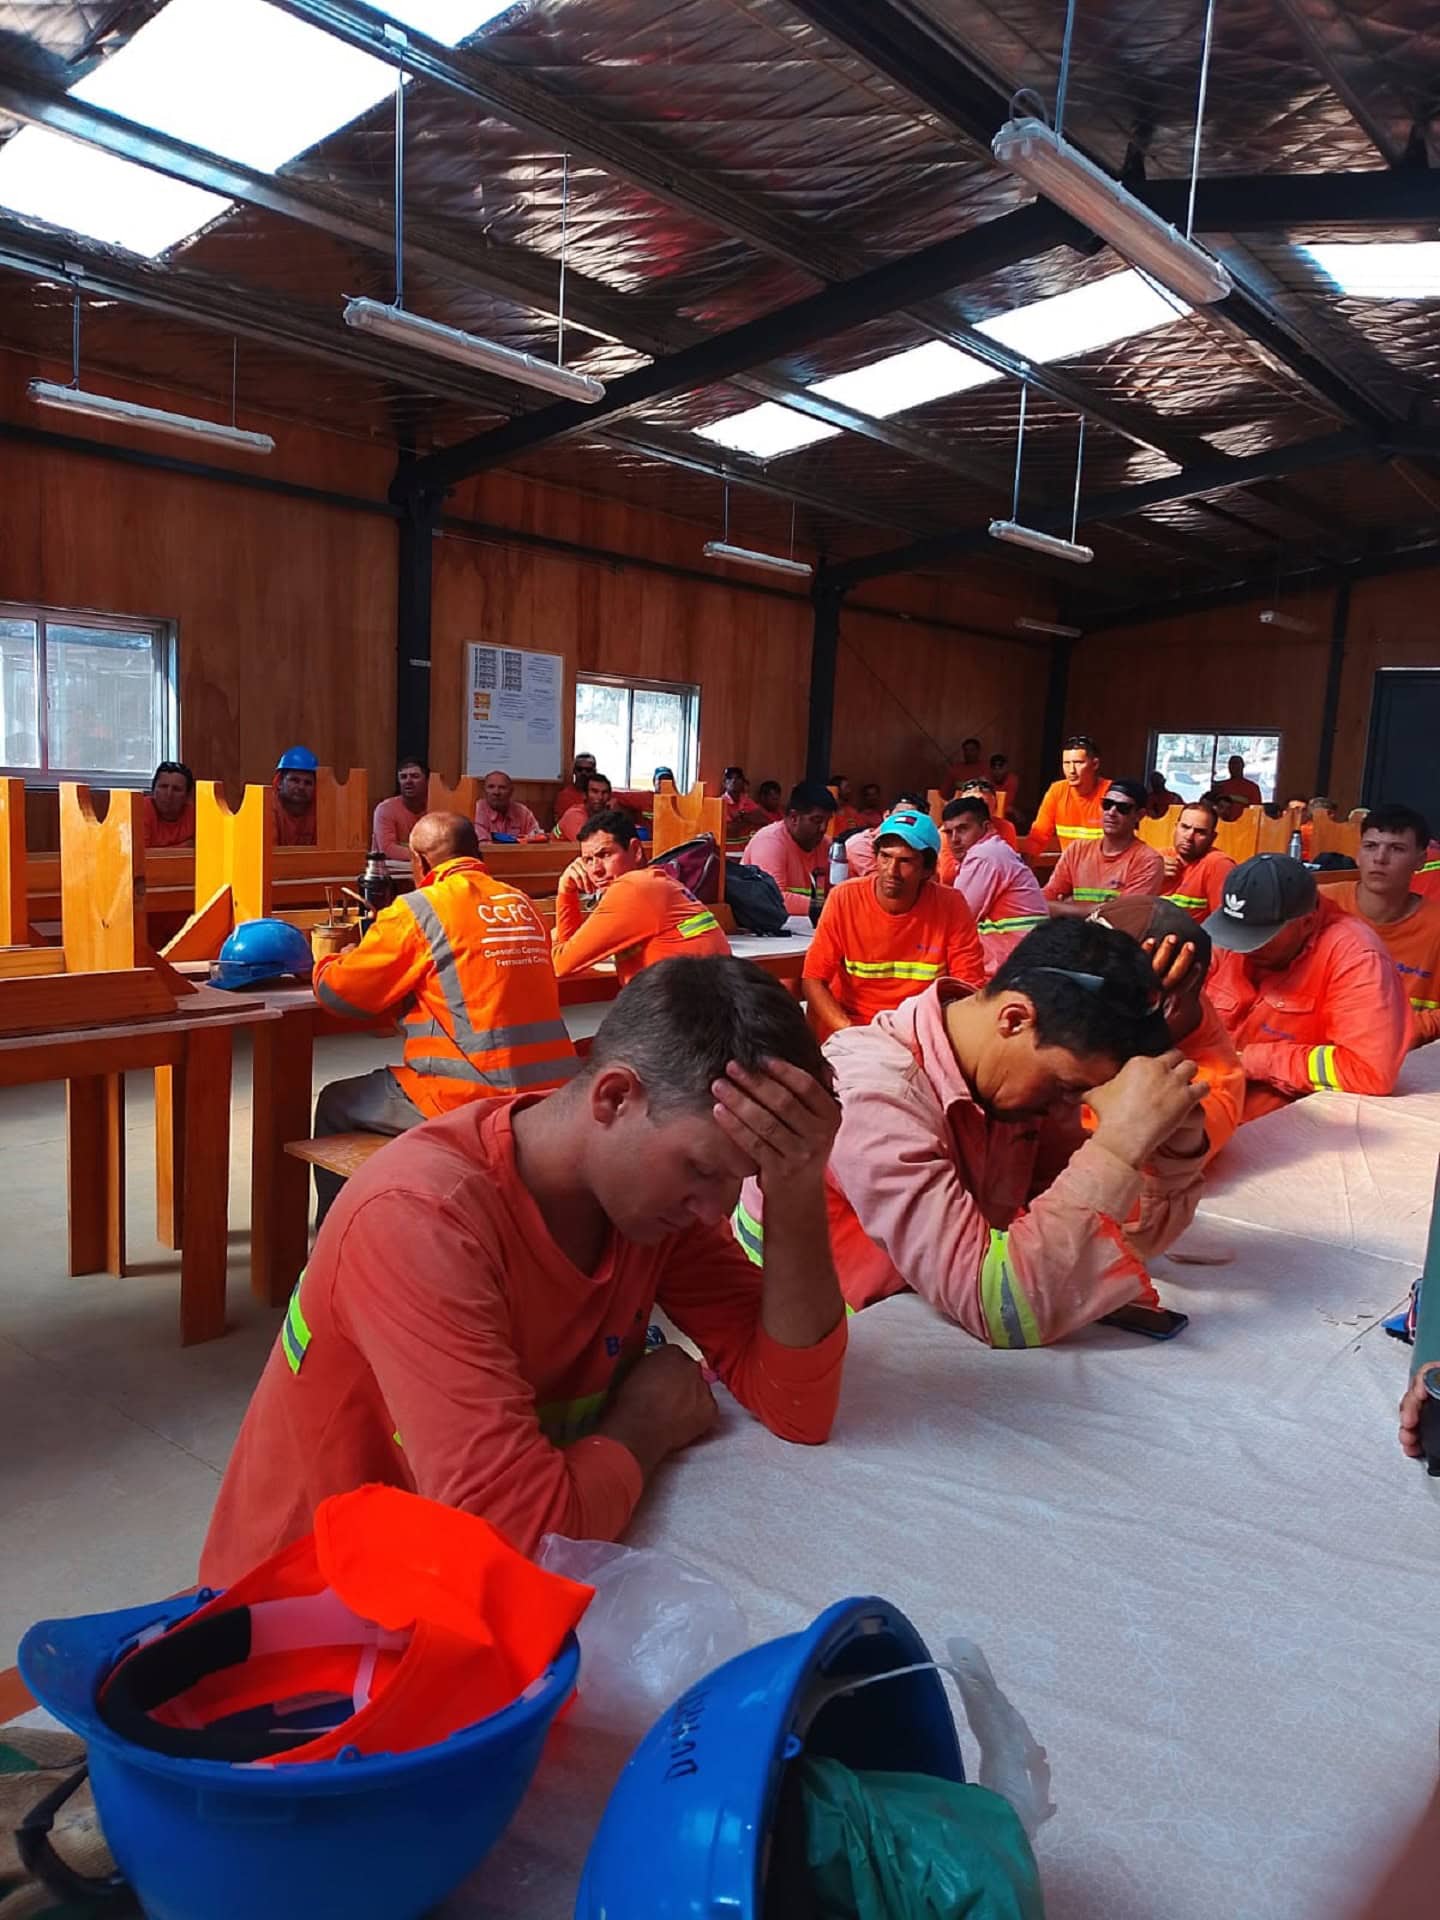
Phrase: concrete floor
{"type": "Point", "coordinates": [112, 1436]}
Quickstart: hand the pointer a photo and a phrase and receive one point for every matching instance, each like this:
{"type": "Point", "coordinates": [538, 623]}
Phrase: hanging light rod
{"type": "Point", "coordinates": [469, 350]}
{"type": "Point", "coordinates": [1014, 535]}
{"type": "Point", "coordinates": [103, 406]}
{"type": "Point", "coordinates": [1027, 625]}
{"type": "Point", "coordinates": [1062, 175]}
{"type": "Point", "coordinates": [1291, 622]}
{"type": "Point", "coordinates": [749, 557]}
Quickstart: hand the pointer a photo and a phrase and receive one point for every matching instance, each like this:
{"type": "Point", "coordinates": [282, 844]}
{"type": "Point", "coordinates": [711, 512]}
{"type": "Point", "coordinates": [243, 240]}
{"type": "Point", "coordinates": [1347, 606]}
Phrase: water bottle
{"type": "Point", "coordinates": [1297, 846]}
{"type": "Point", "coordinates": [839, 865]}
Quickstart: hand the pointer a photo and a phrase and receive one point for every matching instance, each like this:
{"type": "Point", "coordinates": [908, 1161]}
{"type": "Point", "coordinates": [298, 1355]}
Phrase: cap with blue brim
{"type": "Point", "coordinates": [916, 829]}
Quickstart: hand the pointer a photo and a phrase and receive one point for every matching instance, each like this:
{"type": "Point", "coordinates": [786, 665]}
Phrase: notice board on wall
{"type": "Point", "coordinates": [513, 717]}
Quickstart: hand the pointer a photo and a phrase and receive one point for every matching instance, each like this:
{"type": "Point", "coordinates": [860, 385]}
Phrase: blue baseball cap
{"type": "Point", "coordinates": [916, 829]}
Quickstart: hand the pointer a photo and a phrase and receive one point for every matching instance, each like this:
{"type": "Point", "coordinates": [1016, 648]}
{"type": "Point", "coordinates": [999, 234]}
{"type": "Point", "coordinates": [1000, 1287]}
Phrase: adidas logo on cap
{"type": "Point", "coordinates": [1234, 906]}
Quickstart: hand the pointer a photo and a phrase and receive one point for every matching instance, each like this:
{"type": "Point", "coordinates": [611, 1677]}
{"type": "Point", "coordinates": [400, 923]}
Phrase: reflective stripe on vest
{"type": "Point", "coordinates": [1096, 895]}
{"type": "Point", "coordinates": [1009, 1318]}
{"type": "Point", "coordinates": [1022, 923]}
{"type": "Point", "coordinates": [1321, 1068]}
{"type": "Point", "coordinates": [1425, 1006]}
{"type": "Point", "coordinates": [1430, 866]}
{"type": "Point", "coordinates": [702, 922]}
{"type": "Point", "coordinates": [749, 1232]}
{"type": "Point", "coordinates": [565, 1421]}
{"type": "Point", "coordinates": [926, 970]}
{"type": "Point", "coordinates": [1189, 901]}
{"type": "Point", "coordinates": [295, 1330]}
{"type": "Point", "coordinates": [1078, 833]}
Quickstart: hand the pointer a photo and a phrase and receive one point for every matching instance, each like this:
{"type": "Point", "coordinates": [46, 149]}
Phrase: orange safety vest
{"type": "Point", "coordinates": [464, 961]}
{"type": "Point", "coordinates": [418, 1617]}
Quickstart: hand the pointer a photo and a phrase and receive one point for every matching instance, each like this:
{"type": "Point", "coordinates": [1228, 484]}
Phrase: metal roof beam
{"type": "Point", "coordinates": [1302, 20]}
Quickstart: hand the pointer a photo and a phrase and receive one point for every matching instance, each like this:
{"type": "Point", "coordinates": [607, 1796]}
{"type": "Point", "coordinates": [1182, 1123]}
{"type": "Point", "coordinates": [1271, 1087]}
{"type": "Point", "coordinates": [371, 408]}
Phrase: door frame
{"type": "Point", "coordinates": [1368, 796]}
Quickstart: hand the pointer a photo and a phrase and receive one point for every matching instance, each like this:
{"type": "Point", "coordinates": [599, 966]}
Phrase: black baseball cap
{"type": "Point", "coordinates": [1262, 895]}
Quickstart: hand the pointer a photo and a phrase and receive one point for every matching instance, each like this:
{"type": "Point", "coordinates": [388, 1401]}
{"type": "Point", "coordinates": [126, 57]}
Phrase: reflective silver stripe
{"type": "Point", "coordinates": [446, 970]}
{"type": "Point", "coordinates": [527, 1073]}
{"type": "Point", "coordinates": [334, 1003]}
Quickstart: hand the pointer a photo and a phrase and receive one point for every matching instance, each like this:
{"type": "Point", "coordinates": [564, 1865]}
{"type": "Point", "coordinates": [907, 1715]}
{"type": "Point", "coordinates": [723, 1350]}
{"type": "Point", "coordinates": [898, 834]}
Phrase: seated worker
{"type": "Point", "coordinates": [1195, 868]}
{"type": "Point", "coordinates": [1181, 954]}
{"type": "Point", "coordinates": [1392, 846]}
{"type": "Point", "coordinates": [1322, 807]}
{"type": "Point", "coordinates": [573, 793]}
{"type": "Point", "coordinates": [735, 792]}
{"type": "Point", "coordinates": [292, 799]}
{"type": "Point", "coordinates": [1427, 877]}
{"type": "Point", "coordinates": [643, 913]}
{"type": "Point", "coordinates": [1158, 797]}
{"type": "Point", "coordinates": [599, 795]}
{"type": "Point", "coordinates": [1004, 781]}
{"type": "Point", "coordinates": [1226, 805]}
{"type": "Point", "coordinates": [995, 883]}
{"type": "Point", "coordinates": [961, 1168]}
{"type": "Point", "coordinates": [768, 797]}
{"type": "Point", "coordinates": [1070, 809]}
{"type": "Point", "coordinates": [1307, 992]}
{"type": "Point", "coordinates": [847, 814]}
{"type": "Point", "coordinates": [1090, 872]}
{"type": "Point", "coordinates": [464, 964]}
{"type": "Point", "coordinates": [472, 1322]}
{"type": "Point", "coordinates": [396, 817]}
{"type": "Point", "coordinates": [870, 810]}
{"type": "Point", "coordinates": [498, 812]}
{"type": "Point", "coordinates": [793, 850]}
{"type": "Point", "coordinates": [168, 814]}
{"type": "Point", "coordinates": [860, 845]}
{"type": "Point", "coordinates": [890, 935]}
{"type": "Point", "coordinates": [1238, 786]}
{"type": "Point", "coordinates": [986, 790]}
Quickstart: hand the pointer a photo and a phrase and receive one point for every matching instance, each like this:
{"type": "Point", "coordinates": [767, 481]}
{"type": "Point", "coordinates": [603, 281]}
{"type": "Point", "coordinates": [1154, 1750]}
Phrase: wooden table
{"type": "Point", "coordinates": [193, 1052]}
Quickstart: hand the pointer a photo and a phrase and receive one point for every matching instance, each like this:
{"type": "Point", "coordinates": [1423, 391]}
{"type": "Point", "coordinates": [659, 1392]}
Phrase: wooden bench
{"type": "Point", "coordinates": [339, 1153]}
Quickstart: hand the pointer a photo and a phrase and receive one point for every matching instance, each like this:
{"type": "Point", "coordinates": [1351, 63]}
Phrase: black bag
{"type": "Point", "coordinates": [755, 900]}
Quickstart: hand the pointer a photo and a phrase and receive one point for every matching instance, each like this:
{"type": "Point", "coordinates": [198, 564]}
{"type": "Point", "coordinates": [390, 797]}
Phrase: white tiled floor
{"type": "Point", "coordinates": [112, 1436]}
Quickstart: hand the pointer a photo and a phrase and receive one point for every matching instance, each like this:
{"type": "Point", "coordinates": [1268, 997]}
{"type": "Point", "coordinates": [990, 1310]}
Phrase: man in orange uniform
{"type": "Point", "coordinates": [1071, 807]}
{"type": "Point", "coordinates": [890, 935]}
{"type": "Point", "coordinates": [994, 882]}
{"type": "Point", "coordinates": [1427, 877]}
{"type": "Point", "coordinates": [793, 850]}
{"type": "Point", "coordinates": [1392, 846]}
{"type": "Point", "coordinates": [643, 914]}
{"type": "Point", "coordinates": [1006, 782]}
{"type": "Point", "coordinates": [394, 818]}
{"type": "Point", "coordinates": [1307, 992]}
{"type": "Point", "coordinates": [292, 799]}
{"type": "Point", "coordinates": [599, 795]}
{"type": "Point", "coordinates": [1195, 868]}
{"type": "Point", "coordinates": [472, 1323]}
{"type": "Point", "coordinates": [498, 812]}
{"type": "Point", "coordinates": [1239, 786]}
{"type": "Point", "coordinates": [871, 811]}
{"type": "Point", "coordinates": [847, 814]}
{"type": "Point", "coordinates": [1089, 872]}
{"type": "Point", "coordinates": [572, 794]}
{"type": "Point", "coordinates": [464, 963]}
{"type": "Point", "coordinates": [169, 810]}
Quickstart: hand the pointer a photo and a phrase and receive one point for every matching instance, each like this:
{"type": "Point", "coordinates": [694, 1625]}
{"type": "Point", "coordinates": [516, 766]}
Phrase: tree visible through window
{"type": "Point", "coordinates": [634, 726]}
{"type": "Point", "coordinates": [1193, 763]}
{"type": "Point", "coordinates": [87, 694]}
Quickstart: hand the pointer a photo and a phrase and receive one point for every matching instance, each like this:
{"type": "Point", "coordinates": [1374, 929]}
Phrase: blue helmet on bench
{"type": "Point", "coordinates": [261, 950]}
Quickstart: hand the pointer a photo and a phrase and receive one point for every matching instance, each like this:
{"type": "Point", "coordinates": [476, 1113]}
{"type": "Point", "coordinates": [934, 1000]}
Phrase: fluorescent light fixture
{"type": "Point", "coordinates": [1062, 175]}
{"type": "Point", "coordinates": [1014, 535]}
{"type": "Point", "coordinates": [748, 557]}
{"type": "Point", "coordinates": [1027, 625]}
{"type": "Point", "coordinates": [1084, 319]}
{"type": "Point", "coordinates": [103, 406]}
{"type": "Point", "coordinates": [1290, 622]}
{"type": "Point", "coordinates": [261, 92]}
{"type": "Point", "coordinates": [767, 430]}
{"type": "Point", "coordinates": [469, 349]}
{"type": "Point", "coordinates": [1382, 269]}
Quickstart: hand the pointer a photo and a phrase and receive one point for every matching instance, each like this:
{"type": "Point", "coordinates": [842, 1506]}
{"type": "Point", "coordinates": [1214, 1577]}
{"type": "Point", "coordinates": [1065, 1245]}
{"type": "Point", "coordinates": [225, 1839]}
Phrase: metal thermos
{"type": "Point", "coordinates": [376, 888]}
{"type": "Point", "coordinates": [1297, 846]}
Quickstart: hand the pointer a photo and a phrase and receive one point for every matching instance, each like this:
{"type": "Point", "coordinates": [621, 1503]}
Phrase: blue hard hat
{"type": "Point", "coordinates": [261, 950]}
{"type": "Point", "coordinates": [687, 1829]}
{"type": "Point", "coordinates": [297, 760]}
{"type": "Point", "coordinates": [373, 1837]}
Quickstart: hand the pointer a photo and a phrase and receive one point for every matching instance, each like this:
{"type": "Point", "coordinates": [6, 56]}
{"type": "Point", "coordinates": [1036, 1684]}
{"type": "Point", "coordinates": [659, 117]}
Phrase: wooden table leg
{"type": "Point", "coordinates": [205, 1197]}
{"type": "Point", "coordinates": [170, 1155]}
{"type": "Point", "coordinates": [95, 1130]}
{"type": "Point", "coordinates": [280, 1184]}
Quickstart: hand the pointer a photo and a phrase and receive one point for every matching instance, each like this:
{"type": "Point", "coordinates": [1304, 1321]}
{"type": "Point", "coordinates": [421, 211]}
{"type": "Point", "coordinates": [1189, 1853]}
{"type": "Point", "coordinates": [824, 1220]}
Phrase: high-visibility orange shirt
{"type": "Point", "coordinates": [640, 918]}
{"type": "Point", "coordinates": [845, 819]}
{"type": "Point", "coordinates": [390, 828]}
{"type": "Point", "coordinates": [571, 821]}
{"type": "Point", "coordinates": [1414, 945]}
{"type": "Point", "coordinates": [292, 829]}
{"type": "Point", "coordinates": [568, 796]}
{"type": "Point", "coordinates": [439, 1340]}
{"type": "Point", "coordinates": [1199, 887]}
{"type": "Point", "coordinates": [1334, 1020]}
{"type": "Point", "coordinates": [465, 963]}
{"type": "Point", "coordinates": [168, 833]}
{"type": "Point", "coordinates": [1213, 1052]}
{"type": "Point", "coordinates": [872, 960]}
{"type": "Point", "coordinates": [1086, 871]}
{"type": "Point", "coordinates": [1065, 814]}
{"type": "Point", "coordinates": [1427, 881]}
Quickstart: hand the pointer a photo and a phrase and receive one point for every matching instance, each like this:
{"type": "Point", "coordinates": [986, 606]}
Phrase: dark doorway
{"type": "Point", "coordinates": [1403, 759]}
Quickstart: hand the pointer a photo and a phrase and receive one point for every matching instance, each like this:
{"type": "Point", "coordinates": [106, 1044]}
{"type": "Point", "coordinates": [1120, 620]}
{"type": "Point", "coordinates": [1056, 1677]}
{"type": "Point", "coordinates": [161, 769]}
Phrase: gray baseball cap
{"type": "Point", "coordinates": [1261, 896]}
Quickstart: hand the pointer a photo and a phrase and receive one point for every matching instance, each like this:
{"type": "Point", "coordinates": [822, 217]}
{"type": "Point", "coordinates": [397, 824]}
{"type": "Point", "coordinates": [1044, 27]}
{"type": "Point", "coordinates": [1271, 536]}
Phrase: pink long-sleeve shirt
{"type": "Point", "coordinates": [1011, 1228]}
{"type": "Point", "coordinates": [1004, 896]}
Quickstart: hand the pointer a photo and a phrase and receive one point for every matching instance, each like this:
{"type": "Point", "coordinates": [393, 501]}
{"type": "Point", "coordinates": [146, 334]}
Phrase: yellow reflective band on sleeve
{"type": "Point", "coordinates": [751, 1235]}
{"type": "Point", "coordinates": [1426, 1006]}
{"type": "Point", "coordinates": [1077, 833]}
{"type": "Point", "coordinates": [1022, 923]}
{"type": "Point", "coordinates": [698, 923]}
{"type": "Point", "coordinates": [295, 1330]}
{"type": "Point", "coordinates": [565, 1421]}
{"type": "Point", "coordinates": [1009, 1318]}
{"type": "Point", "coordinates": [892, 969]}
{"type": "Point", "coordinates": [1321, 1068]}
{"type": "Point", "coordinates": [1191, 902]}
{"type": "Point", "coordinates": [1097, 895]}
{"type": "Point", "coordinates": [1430, 866]}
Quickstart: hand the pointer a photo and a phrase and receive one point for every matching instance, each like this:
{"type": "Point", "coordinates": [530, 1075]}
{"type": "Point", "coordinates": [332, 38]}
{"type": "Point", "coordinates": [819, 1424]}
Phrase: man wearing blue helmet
{"type": "Point", "coordinates": [292, 803]}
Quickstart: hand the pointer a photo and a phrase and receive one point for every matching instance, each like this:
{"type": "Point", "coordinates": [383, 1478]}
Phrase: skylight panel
{"type": "Point", "coordinates": [907, 379]}
{"type": "Point", "coordinates": [1085, 319]}
{"type": "Point", "coordinates": [1382, 269]}
{"type": "Point", "coordinates": [80, 188]}
{"type": "Point", "coordinates": [767, 430]}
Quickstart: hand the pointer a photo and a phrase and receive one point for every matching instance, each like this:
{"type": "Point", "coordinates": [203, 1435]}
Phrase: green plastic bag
{"type": "Point", "coordinates": [906, 1846]}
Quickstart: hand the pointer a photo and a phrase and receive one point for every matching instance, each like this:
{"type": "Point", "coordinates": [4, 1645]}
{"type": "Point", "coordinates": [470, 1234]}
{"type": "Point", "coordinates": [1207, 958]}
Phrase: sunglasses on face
{"type": "Point", "coordinates": [1117, 806]}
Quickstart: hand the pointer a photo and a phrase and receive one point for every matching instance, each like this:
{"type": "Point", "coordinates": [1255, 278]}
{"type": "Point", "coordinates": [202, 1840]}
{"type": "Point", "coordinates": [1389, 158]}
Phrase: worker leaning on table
{"type": "Point", "coordinates": [473, 1323]}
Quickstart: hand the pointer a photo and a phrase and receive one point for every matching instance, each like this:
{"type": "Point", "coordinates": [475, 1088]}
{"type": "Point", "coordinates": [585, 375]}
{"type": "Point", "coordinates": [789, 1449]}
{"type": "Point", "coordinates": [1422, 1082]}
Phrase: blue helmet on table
{"type": "Point", "coordinates": [297, 760]}
{"type": "Point", "coordinates": [261, 950]}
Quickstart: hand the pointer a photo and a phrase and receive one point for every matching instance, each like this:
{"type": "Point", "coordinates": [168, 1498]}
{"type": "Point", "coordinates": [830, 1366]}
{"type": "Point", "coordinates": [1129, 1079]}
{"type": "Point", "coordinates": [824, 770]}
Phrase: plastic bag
{"type": "Point", "coordinates": [906, 1846]}
{"type": "Point", "coordinates": [1012, 1761]}
{"type": "Point", "coordinates": [655, 1627]}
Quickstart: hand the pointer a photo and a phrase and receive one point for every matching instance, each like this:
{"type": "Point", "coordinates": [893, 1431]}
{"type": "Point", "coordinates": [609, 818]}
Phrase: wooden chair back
{"type": "Point", "coordinates": [1240, 838]}
{"type": "Point", "coordinates": [102, 881]}
{"type": "Point", "coordinates": [234, 850]}
{"type": "Point", "coordinates": [464, 797]}
{"type": "Point", "coordinates": [1334, 836]}
{"type": "Point", "coordinates": [1160, 833]}
{"type": "Point", "coordinates": [679, 817]}
{"type": "Point", "coordinates": [1273, 836]}
{"type": "Point", "coordinates": [14, 883]}
{"type": "Point", "coordinates": [342, 810]}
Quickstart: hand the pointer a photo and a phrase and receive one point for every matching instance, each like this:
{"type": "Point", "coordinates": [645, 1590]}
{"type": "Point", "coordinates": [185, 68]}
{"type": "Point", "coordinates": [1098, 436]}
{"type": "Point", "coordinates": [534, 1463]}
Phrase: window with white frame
{"type": "Point", "coordinates": [85, 695]}
{"type": "Point", "coordinates": [634, 726]}
{"type": "Point", "coordinates": [1193, 763]}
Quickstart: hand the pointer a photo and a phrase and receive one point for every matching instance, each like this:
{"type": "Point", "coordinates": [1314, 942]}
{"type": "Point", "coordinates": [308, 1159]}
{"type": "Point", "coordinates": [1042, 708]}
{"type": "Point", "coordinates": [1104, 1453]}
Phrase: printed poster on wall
{"type": "Point", "coordinates": [513, 716]}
